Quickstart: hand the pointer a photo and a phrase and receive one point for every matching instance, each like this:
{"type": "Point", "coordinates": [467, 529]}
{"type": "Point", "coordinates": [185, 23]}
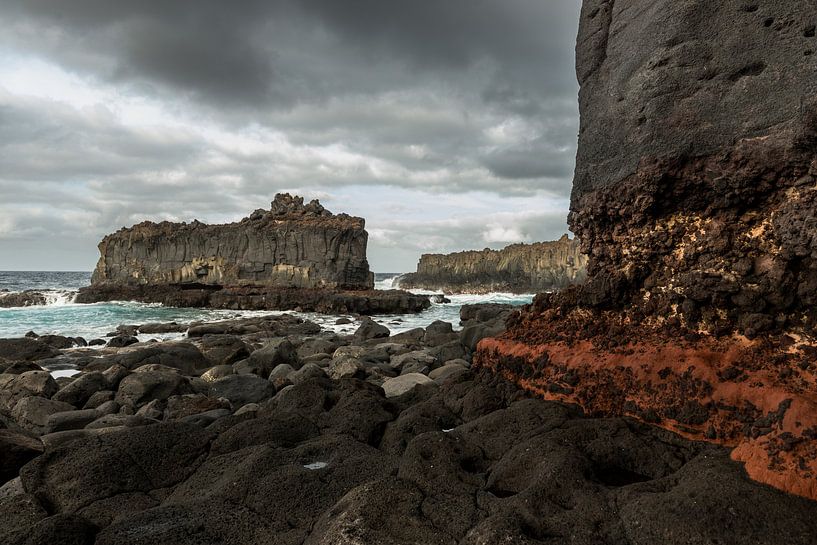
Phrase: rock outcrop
{"type": "Point", "coordinates": [696, 180]}
{"type": "Point", "coordinates": [292, 245]}
{"type": "Point", "coordinates": [519, 268]}
{"type": "Point", "coordinates": [294, 256]}
{"type": "Point", "coordinates": [26, 298]}
{"type": "Point", "coordinates": [694, 197]}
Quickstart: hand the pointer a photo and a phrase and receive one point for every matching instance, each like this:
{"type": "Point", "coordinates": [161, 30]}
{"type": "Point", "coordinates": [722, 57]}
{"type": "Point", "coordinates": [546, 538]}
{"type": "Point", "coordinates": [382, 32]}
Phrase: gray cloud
{"type": "Point", "coordinates": [310, 95]}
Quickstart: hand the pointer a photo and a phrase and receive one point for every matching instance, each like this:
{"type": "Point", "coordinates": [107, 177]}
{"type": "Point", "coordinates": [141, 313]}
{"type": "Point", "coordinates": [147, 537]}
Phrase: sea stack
{"type": "Point", "coordinates": [694, 196]}
{"type": "Point", "coordinates": [292, 245]}
{"type": "Point", "coordinates": [292, 256]}
{"type": "Point", "coordinates": [518, 268]}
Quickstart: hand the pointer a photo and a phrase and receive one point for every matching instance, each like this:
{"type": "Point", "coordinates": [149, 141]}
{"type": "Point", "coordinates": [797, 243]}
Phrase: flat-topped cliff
{"type": "Point", "coordinates": [291, 245]}
{"type": "Point", "coordinates": [519, 268]}
{"type": "Point", "coordinates": [294, 256]}
{"type": "Point", "coordinates": [694, 196]}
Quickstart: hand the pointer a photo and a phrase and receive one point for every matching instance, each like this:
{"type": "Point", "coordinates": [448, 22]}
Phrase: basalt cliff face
{"type": "Point", "coordinates": [292, 245]}
{"type": "Point", "coordinates": [694, 196]}
{"type": "Point", "coordinates": [294, 256]}
{"type": "Point", "coordinates": [519, 268]}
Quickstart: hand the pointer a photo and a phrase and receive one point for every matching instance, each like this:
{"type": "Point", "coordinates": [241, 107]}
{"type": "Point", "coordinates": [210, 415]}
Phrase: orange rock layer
{"type": "Point", "coordinates": [756, 396]}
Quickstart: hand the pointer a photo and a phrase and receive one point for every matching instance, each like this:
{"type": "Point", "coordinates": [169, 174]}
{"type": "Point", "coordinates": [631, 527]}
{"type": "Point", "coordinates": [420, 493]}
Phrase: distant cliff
{"type": "Point", "coordinates": [292, 245]}
{"type": "Point", "coordinates": [519, 268]}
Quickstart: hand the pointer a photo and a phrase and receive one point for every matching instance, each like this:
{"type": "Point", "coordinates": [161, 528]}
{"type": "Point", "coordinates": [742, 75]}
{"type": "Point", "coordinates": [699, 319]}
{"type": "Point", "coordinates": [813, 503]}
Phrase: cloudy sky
{"type": "Point", "coordinates": [447, 124]}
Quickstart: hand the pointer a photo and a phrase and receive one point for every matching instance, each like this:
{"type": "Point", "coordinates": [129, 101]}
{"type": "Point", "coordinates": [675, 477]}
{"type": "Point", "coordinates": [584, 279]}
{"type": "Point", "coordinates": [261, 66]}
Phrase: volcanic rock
{"type": "Point", "coordinates": [519, 268]}
{"type": "Point", "coordinates": [292, 245]}
{"type": "Point", "coordinates": [694, 203]}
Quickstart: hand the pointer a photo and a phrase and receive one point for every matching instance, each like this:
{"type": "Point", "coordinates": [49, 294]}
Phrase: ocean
{"type": "Point", "coordinates": [61, 316]}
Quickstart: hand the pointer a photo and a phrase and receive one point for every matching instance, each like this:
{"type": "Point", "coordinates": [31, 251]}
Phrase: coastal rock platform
{"type": "Point", "coordinates": [328, 301]}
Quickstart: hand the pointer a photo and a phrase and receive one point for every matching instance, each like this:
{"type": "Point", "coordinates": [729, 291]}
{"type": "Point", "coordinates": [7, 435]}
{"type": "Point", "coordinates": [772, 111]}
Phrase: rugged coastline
{"type": "Point", "coordinates": [693, 204]}
{"type": "Point", "coordinates": [269, 430]}
{"type": "Point", "coordinates": [519, 268]}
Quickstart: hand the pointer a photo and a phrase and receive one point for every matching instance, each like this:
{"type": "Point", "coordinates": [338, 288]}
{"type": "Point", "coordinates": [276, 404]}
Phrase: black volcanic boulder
{"type": "Point", "coordinates": [135, 461]}
{"type": "Point", "coordinates": [242, 389]}
{"type": "Point", "coordinates": [369, 329]}
{"type": "Point", "coordinates": [151, 382]}
{"type": "Point", "coordinates": [16, 450]}
{"type": "Point", "coordinates": [25, 349]}
{"type": "Point", "coordinates": [185, 357]}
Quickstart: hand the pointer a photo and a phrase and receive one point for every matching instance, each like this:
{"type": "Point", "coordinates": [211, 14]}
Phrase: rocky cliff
{"type": "Point", "coordinates": [294, 256]}
{"type": "Point", "coordinates": [291, 245]}
{"type": "Point", "coordinates": [519, 268]}
{"type": "Point", "coordinates": [694, 197]}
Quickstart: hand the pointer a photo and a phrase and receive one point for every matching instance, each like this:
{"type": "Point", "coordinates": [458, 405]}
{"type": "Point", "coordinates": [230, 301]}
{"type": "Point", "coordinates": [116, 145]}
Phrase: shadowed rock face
{"type": "Point", "coordinates": [519, 268]}
{"type": "Point", "coordinates": [696, 180]}
{"type": "Point", "coordinates": [694, 196]}
{"type": "Point", "coordinates": [293, 245]}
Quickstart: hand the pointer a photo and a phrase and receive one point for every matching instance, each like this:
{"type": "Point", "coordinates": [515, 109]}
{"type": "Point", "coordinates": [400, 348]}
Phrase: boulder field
{"type": "Point", "coordinates": [694, 198]}
{"type": "Point", "coordinates": [271, 431]}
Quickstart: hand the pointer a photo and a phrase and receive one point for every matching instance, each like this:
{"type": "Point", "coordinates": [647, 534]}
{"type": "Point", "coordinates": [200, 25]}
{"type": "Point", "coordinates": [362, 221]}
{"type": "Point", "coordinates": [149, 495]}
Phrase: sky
{"type": "Point", "coordinates": [447, 124]}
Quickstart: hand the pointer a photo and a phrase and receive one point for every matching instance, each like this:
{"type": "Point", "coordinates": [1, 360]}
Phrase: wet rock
{"type": "Point", "coordinates": [57, 341]}
{"type": "Point", "coordinates": [369, 329]}
{"type": "Point", "coordinates": [121, 341]}
{"type": "Point", "coordinates": [25, 349]}
{"type": "Point", "coordinates": [154, 329]}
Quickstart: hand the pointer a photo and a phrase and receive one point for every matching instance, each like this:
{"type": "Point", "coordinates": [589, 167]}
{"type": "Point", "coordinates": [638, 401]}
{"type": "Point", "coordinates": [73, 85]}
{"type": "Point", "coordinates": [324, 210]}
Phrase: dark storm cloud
{"type": "Point", "coordinates": [262, 53]}
{"type": "Point", "coordinates": [439, 96]}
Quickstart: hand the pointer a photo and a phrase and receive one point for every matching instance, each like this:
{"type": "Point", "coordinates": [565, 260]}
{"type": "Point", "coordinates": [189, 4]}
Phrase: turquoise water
{"type": "Point", "coordinates": [63, 317]}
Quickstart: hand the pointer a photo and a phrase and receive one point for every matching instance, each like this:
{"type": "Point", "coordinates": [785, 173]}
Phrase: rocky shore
{"type": "Point", "coordinates": [695, 203]}
{"type": "Point", "coordinates": [27, 298]}
{"type": "Point", "coordinates": [269, 430]}
{"type": "Point", "coordinates": [519, 268]}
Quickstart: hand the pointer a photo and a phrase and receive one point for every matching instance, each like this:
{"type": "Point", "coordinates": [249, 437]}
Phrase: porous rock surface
{"type": "Point", "coordinates": [291, 245]}
{"type": "Point", "coordinates": [696, 180]}
{"type": "Point", "coordinates": [518, 268]}
{"type": "Point", "coordinates": [694, 199]}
